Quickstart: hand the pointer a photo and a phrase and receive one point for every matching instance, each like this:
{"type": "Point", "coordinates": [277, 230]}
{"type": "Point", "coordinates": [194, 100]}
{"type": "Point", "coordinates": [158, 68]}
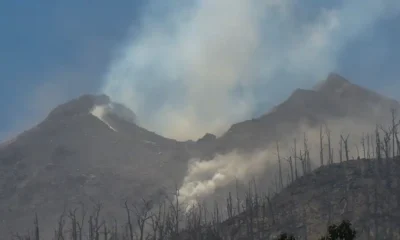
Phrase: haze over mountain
{"type": "Point", "coordinates": [248, 148]}
{"type": "Point", "coordinates": [92, 149]}
{"type": "Point", "coordinates": [157, 50]}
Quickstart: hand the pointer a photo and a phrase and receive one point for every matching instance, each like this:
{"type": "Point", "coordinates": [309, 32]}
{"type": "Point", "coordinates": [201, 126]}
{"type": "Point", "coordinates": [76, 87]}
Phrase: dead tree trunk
{"type": "Point", "coordinates": [295, 158]}
{"type": "Point", "coordinates": [280, 167]}
{"type": "Point", "coordinates": [346, 146]}
{"type": "Point", "coordinates": [142, 213]}
{"type": "Point", "coordinates": [321, 146]}
{"type": "Point", "coordinates": [82, 221]}
{"type": "Point", "coordinates": [36, 227]}
{"type": "Point", "coordinates": [91, 228]}
{"type": "Point", "coordinates": [363, 146]}
{"type": "Point", "coordinates": [397, 143]}
{"type": "Point", "coordinates": [130, 227]}
{"type": "Point", "coordinates": [307, 154]}
{"type": "Point", "coordinates": [394, 130]}
{"type": "Point", "coordinates": [378, 146]}
{"type": "Point", "coordinates": [358, 152]}
{"type": "Point", "coordinates": [229, 206]}
{"type": "Point", "coordinates": [271, 209]}
{"type": "Point", "coordinates": [291, 169]}
{"type": "Point", "coordinates": [368, 149]}
{"type": "Point", "coordinates": [341, 149]}
{"type": "Point", "coordinates": [237, 197]}
{"type": "Point", "coordinates": [303, 163]}
{"type": "Point", "coordinates": [328, 134]}
{"type": "Point", "coordinates": [74, 227]}
{"type": "Point", "coordinates": [105, 232]}
{"type": "Point", "coordinates": [97, 225]}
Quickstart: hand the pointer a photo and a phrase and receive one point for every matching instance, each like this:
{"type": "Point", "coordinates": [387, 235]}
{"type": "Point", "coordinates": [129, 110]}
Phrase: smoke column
{"type": "Point", "coordinates": [201, 65]}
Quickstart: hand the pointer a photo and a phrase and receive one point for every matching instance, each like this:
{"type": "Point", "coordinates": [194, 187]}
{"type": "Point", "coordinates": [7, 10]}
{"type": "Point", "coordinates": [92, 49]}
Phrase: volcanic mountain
{"type": "Point", "coordinates": [87, 150]}
{"type": "Point", "coordinates": [92, 150]}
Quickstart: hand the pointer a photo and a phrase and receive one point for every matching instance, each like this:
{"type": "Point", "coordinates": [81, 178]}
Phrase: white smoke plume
{"type": "Point", "coordinates": [205, 178]}
{"type": "Point", "coordinates": [100, 111]}
{"type": "Point", "coordinates": [198, 66]}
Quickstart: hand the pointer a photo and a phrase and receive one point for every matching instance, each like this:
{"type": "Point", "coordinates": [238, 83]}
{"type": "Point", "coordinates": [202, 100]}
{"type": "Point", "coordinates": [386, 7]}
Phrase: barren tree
{"type": "Point", "coordinates": [307, 154]}
{"type": "Point", "coordinates": [290, 161]}
{"type": "Point", "coordinates": [36, 222]}
{"type": "Point", "coordinates": [328, 134]}
{"type": "Point", "coordinates": [346, 146]}
{"type": "Point", "coordinates": [295, 158]}
{"type": "Point", "coordinates": [237, 197]}
{"type": "Point", "coordinates": [321, 146]}
{"type": "Point", "coordinates": [271, 210]}
{"type": "Point", "coordinates": [82, 221]}
{"type": "Point", "coordinates": [96, 225]}
{"type": "Point", "coordinates": [368, 146]}
{"type": "Point", "coordinates": [142, 213]}
{"type": "Point", "coordinates": [341, 149]}
{"type": "Point", "coordinates": [394, 130]}
{"type": "Point", "coordinates": [59, 233]}
{"type": "Point", "coordinates": [74, 224]}
{"type": "Point", "coordinates": [129, 223]}
{"type": "Point", "coordinates": [378, 145]}
{"type": "Point", "coordinates": [363, 146]}
{"type": "Point", "coordinates": [280, 167]}
{"type": "Point", "coordinates": [229, 205]}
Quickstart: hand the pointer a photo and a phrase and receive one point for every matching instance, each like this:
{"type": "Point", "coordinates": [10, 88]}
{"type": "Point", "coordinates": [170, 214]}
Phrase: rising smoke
{"type": "Point", "coordinates": [205, 178]}
{"type": "Point", "coordinates": [202, 65]}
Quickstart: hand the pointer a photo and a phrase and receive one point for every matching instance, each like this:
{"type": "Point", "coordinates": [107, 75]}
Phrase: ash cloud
{"type": "Point", "coordinates": [201, 65]}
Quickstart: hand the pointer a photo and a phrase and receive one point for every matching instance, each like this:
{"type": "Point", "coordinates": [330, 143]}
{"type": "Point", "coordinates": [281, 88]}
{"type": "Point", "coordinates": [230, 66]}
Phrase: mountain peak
{"type": "Point", "coordinates": [79, 106]}
{"type": "Point", "coordinates": [334, 77]}
{"type": "Point", "coordinates": [208, 137]}
{"type": "Point", "coordinates": [334, 83]}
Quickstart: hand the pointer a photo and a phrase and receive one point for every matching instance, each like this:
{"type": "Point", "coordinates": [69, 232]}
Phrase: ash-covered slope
{"type": "Point", "coordinates": [333, 99]}
{"type": "Point", "coordinates": [75, 156]}
{"type": "Point", "coordinates": [365, 192]}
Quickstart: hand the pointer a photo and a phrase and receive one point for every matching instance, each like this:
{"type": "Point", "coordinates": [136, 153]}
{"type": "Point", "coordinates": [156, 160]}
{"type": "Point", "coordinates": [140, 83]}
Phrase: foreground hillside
{"type": "Point", "coordinates": [366, 192]}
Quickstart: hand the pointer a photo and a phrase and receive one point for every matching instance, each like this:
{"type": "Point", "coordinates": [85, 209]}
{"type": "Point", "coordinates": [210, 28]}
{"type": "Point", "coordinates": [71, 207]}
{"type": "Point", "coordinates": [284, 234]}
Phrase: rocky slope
{"type": "Point", "coordinates": [366, 192]}
{"type": "Point", "coordinates": [73, 156]}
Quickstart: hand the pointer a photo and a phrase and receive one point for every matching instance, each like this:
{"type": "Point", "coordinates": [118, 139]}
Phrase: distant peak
{"type": "Point", "coordinates": [208, 137]}
{"type": "Point", "coordinates": [334, 77]}
{"type": "Point", "coordinates": [333, 83]}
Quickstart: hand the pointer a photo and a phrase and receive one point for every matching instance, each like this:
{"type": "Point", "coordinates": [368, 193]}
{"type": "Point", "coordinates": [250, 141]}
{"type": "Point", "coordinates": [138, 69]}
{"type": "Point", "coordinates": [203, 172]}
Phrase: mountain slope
{"type": "Point", "coordinates": [333, 99]}
{"type": "Point", "coordinates": [365, 192]}
{"type": "Point", "coordinates": [73, 156]}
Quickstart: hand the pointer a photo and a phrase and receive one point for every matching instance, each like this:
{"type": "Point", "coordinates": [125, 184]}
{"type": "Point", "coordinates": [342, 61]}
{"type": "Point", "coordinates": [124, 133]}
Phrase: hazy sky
{"type": "Point", "coordinates": [187, 67]}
